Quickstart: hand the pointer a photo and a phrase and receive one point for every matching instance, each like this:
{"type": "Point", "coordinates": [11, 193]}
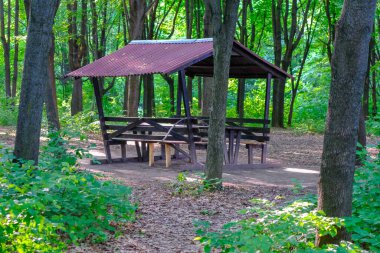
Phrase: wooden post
{"type": "Point", "coordinates": [179, 96]}
{"type": "Point", "coordinates": [182, 83]}
{"type": "Point", "coordinates": [151, 153]}
{"type": "Point", "coordinates": [168, 155]}
{"type": "Point", "coordinates": [267, 98]}
{"type": "Point", "coordinates": [99, 105]}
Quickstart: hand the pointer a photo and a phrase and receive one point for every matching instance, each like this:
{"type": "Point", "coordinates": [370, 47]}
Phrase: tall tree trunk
{"type": "Point", "coordinates": [348, 70]}
{"type": "Point", "coordinates": [77, 49]}
{"type": "Point", "coordinates": [51, 92]}
{"type": "Point", "coordinates": [224, 23]}
{"type": "Point", "coordinates": [34, 79]}
{"type": "Point", "coordinates": [136, 28]}
{"type": "Point", "coordinates": [16, 45]}
{"type": "Point", "coordinates": [207, 81]}
{"type": "Point", "coordinates": [276, 25]}
{"type": "Point", "coordinates": [243, 40]}
{"type": "Point", "coordinates": [373, 82]}
{"type": "Point", "coordinates": [286, 26]}
{"type": "Point", "coordinates": [5, 41]}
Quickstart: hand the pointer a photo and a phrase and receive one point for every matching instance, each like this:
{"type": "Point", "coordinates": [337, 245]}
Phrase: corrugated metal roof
{"type": "Point", "coordinates": [143, 57]}
{"type": "Point", "coordinates": [147, 57]}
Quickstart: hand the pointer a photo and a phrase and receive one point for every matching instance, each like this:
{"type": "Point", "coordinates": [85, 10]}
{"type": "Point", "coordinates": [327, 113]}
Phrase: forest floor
{"type": "Point", "coordinates": [165, 219]}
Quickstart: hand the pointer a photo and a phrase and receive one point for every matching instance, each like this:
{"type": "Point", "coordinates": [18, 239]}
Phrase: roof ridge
{"type": "Point", "coordinates": [179, 41]}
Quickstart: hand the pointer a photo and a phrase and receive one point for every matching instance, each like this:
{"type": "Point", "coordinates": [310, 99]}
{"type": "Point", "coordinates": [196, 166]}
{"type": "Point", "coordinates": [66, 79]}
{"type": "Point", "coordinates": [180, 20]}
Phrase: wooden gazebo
{"type": "Point", "coordinates": [191, 57]}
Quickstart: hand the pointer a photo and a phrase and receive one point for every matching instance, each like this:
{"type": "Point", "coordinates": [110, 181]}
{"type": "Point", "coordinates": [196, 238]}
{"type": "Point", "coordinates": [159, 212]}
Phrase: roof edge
{"type": "Point", "coordinates": [181, 41]}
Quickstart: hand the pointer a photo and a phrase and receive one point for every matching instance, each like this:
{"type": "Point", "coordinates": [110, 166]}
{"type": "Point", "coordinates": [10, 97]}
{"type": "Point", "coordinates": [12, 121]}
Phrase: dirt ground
{"type": "Point", "coordinates": [165, 221]}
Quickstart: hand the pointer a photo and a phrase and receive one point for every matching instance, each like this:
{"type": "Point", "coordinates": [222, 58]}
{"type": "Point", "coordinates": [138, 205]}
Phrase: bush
{"type": "Point", "coordinates": [293, 228]}
{"type": "Point", "coordinates": [44, 208]}
{"type": "Point", "coordinates": [365, 221]}
{"type": "Point", "coordinates": [8, 112]}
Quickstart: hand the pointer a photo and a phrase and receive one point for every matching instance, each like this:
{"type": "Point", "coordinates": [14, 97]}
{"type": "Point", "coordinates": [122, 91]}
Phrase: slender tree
{"type": "Point", "coordinates": [136, 15]}
{"type": "Point", "coordinates": [289, 19]}
{"type": "Point", "coordinates": [35, 78]}
{"type": "Point", "coordinates": [224, 18]}
{"type": "Point", "coordinates": [5, 37]}
{"type": "Point", "coordinates": [16, 48]}
{"type": "Point", "coordinates": [207, 81]}
{"type": "Point", "coordinates": [77, 49]}
{"type": "Point", "coordinates": [348, 71]}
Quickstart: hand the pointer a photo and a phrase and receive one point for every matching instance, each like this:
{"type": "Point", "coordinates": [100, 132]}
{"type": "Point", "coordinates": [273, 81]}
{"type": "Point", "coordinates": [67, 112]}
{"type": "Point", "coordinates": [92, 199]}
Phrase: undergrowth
{"type": "Point", "coordinates": [44, 208]}
{"type": "Point", "coordinates": [293, 228]}
{"type": "Point", "coordinates": [195, 186]}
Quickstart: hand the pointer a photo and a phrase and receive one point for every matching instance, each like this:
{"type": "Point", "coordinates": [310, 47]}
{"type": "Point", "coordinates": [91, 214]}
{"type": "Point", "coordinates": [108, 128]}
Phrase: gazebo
{"type": "Point", "coordinates": [188, 57]}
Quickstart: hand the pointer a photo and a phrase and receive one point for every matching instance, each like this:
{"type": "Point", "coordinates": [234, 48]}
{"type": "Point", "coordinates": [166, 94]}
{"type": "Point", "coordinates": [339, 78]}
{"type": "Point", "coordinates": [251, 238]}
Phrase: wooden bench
{"type": "Point", "coordinates": [250, 145]}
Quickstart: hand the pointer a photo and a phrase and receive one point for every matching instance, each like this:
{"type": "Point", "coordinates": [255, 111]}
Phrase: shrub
{"type": "Point", "coordinates": [365, 221]}
{"type": "Point", "coordinates": [44, 208]}
{"type": "Point", "coordinates": [294, 227]}
{"type": "Point", "coordinates": [291, 229]}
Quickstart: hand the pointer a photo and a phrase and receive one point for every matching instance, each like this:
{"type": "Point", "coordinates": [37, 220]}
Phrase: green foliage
{"type": "Point", "coordinates": [365, 221]}
{"type": "Point", "coordinates": [293, 228]}
{"type": "Point", "coordinates": [8, 114]}
{"type": "Point", "coordinates": [83, 122]}
{"type": "Point", "coordinates": [45, 207]}
{"type": "Point", "coordinates": [184, 186]}
{"type": "Point", "coordinates": [373, 126]}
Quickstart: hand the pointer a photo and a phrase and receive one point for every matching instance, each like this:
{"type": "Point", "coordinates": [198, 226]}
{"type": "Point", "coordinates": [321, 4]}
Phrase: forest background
{"type": "Point", "coordinates": [296, 35]}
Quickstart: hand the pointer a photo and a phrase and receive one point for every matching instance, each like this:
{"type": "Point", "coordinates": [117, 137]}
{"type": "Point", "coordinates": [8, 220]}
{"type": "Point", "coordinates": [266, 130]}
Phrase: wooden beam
{"type": "Point", "coordinates": [99, 105]}
{"type": "Point", "coordinates": [182, 83]}
{"type": "Point", "coordinates": [179, 97]}
{"type": "Point", "coordinates": [267, 97]}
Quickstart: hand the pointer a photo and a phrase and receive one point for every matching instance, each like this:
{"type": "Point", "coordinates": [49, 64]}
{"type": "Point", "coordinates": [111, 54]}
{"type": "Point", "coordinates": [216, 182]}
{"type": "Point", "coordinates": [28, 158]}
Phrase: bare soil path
{"type": "Point", "coordinates": [165, 222]}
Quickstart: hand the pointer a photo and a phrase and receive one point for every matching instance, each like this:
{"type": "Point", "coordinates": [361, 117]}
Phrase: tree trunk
{"type": "Point", "coordinates": [16, 44]}
{"type": "Point", "coordinates": [243, 40]}
{"type": "Point", "coordinates": [348, 70]}
{"type": "Point", "coordinates": [240, 98]}
{"type": "Point", "coordinates": [288, 27]}
{"type": "Point", "coordinates": [4, 37]}
{"type": "Point", "coordinates": [51, 93]}
{"type": "Point", "coordinates": [77, 50]}
{"type": "Point", "coordinates": [136, 28]}
{"type": "Point", "coordinates": [276, 25]}
{"type": "Point", "coordinates": [35, 79]}
{"type": "Point", "coordinates": [224, 22]}
{"type": "Point", "coordinates": [207, 81]}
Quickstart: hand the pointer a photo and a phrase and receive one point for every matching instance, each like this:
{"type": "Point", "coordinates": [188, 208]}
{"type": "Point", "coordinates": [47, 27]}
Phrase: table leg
{"type": "Point", "coordinates": [151, 153]}
{"type": "Point", "coordinates": [237, 147]}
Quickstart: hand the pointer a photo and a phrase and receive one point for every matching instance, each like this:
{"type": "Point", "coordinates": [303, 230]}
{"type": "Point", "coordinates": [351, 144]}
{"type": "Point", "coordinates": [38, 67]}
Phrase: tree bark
{"type": "Point", "coordinates": [348, 70]}
{"type": "Point", "coordinates": [77, 50]}
{"type": "Point", "coordinates": [5, 41]}
{"type": "Point", "coordinates": [224, 20]}
{"type": "Point", "coordinates": [35, 79]}
{"type": "Point", "coordinates": [16, 49]}
{"type": "Point", "coordinates": [243, 40]}
{"type": "Point", "coordinates": [51, 93]}
{"type": "Point", "coordinates": [290, 35]}
{"type": "Point", "coordinates": [207, 81]}
{"type": "Point", "coordinates": [136, 28]}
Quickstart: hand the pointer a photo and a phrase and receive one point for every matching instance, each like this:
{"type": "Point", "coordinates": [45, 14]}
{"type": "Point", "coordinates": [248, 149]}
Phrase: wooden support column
{"type": "Point", "coordinates": [267, 98]}
{"type": "Point", "coordinates": [182, 84]}
{"type": "Point", "coordinates": [179, 95]}
{"type": "Point", "coordinates": [99, 105]}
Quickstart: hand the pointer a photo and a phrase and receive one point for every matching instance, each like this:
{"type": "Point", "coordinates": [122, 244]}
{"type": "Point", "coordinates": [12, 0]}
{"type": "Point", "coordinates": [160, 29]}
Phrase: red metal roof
{"type": "Point", "coordinates": [148, 57]}
{"type": "Point", "coordinates": [144, 57]}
